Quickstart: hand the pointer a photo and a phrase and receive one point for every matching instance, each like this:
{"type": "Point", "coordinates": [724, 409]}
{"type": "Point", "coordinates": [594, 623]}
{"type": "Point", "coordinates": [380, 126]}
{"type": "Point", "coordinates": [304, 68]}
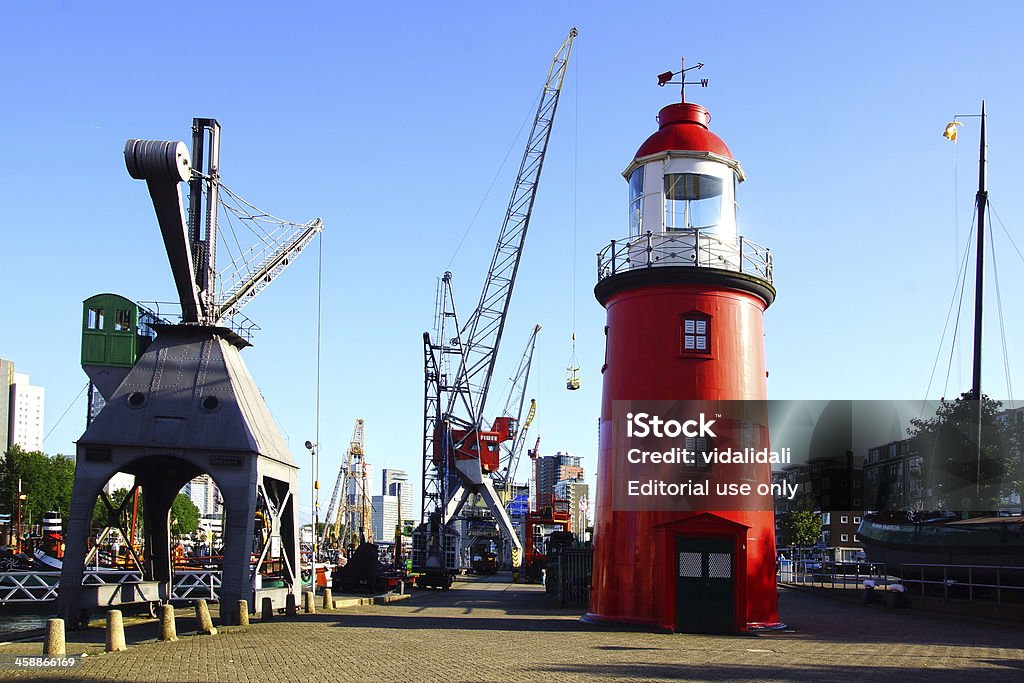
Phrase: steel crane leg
{"type": "Point", "coordinates": [475, 481]}
{"type": "Point", "coordinates": [458, 499]}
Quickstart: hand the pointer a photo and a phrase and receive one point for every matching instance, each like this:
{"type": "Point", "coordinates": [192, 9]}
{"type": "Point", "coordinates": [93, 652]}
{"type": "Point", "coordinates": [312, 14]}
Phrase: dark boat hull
{"type": "Point", "coordinates": [969, 550]}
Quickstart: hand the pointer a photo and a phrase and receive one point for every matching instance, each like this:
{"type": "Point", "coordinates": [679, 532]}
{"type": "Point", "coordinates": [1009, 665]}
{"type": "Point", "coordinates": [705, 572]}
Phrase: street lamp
{"type": "Point", "coordinates": [311, 446]}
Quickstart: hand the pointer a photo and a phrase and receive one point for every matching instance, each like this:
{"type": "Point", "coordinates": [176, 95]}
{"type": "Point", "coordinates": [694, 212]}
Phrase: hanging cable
{"type": "Point", "coordinates": [992, 212]}
{"type": "Point", "coordinates": [497, 173]}
{"type": "Point", "coordinates": [64, 414]}
{"type": "Point", "coordinates": [319, 300]}
{"type": "Point", "coordinates": [956, 330]}
{"type": "Point", "coordinates": [1005, 231]}
{"type": "Point", "coordinates": [575, 185]}
{"type": "Point", "coordinates": [960, 284]}
{"type": "Point", "coordinates": [572, 371]}
{"type": "Point", "coordinates": [316, 428]}
{"type": "Point", "coordinates": [959, 310]}
{"type": "Point", "coordinates": [999, 309]}
{"type": "Point", "coordinates": [956, 244]}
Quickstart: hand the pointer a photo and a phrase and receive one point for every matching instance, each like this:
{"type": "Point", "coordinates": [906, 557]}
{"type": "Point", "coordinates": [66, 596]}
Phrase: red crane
{"type": "Point", "coordinates": [459, 451]}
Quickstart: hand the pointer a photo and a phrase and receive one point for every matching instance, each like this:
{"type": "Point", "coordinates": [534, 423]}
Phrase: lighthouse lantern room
{"type": "Point", "coordinates": [685, 297]}
{"type": "Point", "coordinates": [683, 177]}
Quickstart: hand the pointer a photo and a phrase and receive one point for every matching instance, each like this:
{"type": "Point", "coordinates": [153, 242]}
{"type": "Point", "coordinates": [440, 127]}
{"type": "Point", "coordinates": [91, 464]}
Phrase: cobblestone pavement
{"type": "Point", "coordinates": [492, 631]}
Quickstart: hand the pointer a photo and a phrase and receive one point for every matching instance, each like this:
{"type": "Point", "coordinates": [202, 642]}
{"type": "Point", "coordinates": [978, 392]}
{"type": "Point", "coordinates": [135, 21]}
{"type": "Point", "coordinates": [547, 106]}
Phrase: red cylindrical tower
{"type": "Point", "coordinates": [685, 297]}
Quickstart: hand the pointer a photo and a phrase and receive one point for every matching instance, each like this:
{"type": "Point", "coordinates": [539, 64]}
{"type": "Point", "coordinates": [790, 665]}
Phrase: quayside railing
{"type": "Point", "coordinates": [950, 582]}
{"type": "Point", "coordinates": [42, 586]}
{"type": "Point", "coordinates": [971, 582]}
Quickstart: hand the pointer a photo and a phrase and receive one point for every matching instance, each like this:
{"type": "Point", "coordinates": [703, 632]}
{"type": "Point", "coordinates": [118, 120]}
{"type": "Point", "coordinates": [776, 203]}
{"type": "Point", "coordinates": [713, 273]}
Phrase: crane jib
{"type": "Point", "coordinates": [459, 365]}
{"type": "Point", "coordinates": [483, 330]}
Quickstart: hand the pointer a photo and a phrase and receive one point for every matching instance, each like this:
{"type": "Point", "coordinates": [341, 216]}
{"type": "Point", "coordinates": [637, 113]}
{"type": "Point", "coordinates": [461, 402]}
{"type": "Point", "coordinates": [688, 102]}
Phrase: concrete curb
{"type": "Point", "coordinates": [392, 597]}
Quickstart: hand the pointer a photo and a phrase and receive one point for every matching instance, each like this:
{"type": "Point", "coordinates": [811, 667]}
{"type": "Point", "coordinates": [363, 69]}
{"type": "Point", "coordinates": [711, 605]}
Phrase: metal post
{"type": "Point", "coordinates": [195, 197]}
{"type": "Point", "coordinates": [561, 580]}
{"type": "Point", "coordinates": [315, 549]}
{"type": "Point", "coordinates": [135, 518]}
{"type": "Point", "coordinates": [202, 225]}
{"type": "Point", "coordinates": [312, 447]}
{"type": "Point", "coordinates": [741, 253]}
{"type": "Point", "coordinates": [613, 257]}
{"type": "Point", "coordinates": [649, 248]}
{"type": "Point", "coordinates": [212, 200]}
{"type": "Point", "coordinates": [88, 404]}
{"type": "Point", "coordinates": [17, 532]}
{"type": "Point", "coordinates": [979, 283]}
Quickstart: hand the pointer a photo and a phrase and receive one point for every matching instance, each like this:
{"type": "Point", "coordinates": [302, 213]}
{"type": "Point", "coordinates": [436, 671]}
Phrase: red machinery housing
{"type": "Point", "coordinates": [553, 516]}
{"type": "Point", "coordinates": [489, 451]}
{"type": "Point", "coordinates": [685, 298]}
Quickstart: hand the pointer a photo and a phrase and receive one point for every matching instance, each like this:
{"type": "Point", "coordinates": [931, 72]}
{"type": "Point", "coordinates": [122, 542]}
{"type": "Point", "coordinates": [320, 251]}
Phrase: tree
{"type": "Point", "coordinates": [45, 481]}
{"type": "Point", "coordinates": [184, 516]}
{"type": "Point", "coordinates": [957, 475]}
{"type": "Point", "coordinates": [1015, 465]}
{"type": "Point", "coordinates": [100, 515]}
{"type": "Point", "coordinates": [800, 528]}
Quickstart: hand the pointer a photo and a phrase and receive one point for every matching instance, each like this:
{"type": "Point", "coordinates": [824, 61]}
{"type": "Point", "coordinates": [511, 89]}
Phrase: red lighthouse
{"type": "Point", "coordinates": [685, 296]}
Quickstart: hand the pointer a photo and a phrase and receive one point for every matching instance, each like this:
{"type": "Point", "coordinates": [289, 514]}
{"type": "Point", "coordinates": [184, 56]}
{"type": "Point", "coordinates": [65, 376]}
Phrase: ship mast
{"type": "Point", "coordinates": [979, 281]}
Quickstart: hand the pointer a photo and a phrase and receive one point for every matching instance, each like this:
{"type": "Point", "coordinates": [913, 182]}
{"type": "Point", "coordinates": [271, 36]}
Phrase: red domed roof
{"type": "Point", "coordinates": [683, 127]}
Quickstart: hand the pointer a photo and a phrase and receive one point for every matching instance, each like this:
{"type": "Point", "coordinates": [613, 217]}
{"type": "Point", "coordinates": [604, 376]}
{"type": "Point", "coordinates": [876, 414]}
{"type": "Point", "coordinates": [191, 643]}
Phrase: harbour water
{"type": "Point", "coordinates": [13, 622]}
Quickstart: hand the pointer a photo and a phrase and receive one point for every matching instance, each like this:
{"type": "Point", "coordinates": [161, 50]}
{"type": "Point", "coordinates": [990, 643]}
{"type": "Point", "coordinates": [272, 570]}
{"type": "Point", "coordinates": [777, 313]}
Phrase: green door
{"type": "Point", "coordinates": [704, 585]}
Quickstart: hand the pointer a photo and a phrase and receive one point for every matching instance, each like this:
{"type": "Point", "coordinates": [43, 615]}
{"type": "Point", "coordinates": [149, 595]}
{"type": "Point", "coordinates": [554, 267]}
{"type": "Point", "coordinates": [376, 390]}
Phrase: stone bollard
{"type": "Point", "coordinates": [168, 629]}
{"type": "Point", "coordinates": [115, 632]}
{"type": "Point", "coordinates": [54, 646]}
{"type": "Point", "coordinates": [308, 602]}
{"type": "Point", "coordinates": [268, 609]}
{"type": "Point", "coordinates": [328, 599]}
{"type": "Point", "coordinates": [243, 613]}
{"type": "Point", "coordinates": [204, 624]}
{"type": "Point", "coordinates": [290, 609]}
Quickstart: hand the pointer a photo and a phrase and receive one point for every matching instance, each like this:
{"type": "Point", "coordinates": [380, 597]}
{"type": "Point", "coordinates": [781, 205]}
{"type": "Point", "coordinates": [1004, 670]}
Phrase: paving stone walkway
{"type": "Point", "coordinates": [485, 630]}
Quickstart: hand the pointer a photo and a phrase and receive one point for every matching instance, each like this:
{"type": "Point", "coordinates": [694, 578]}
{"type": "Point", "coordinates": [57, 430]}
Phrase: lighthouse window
{"type": "Point", "coordinates": [696, 334]}
{"type": "Point", "coordinates": [698, 446]}
{"type": "Point", "coordinates": [692, 201]}
{"type": "Point", "coordinates": [636, 201]}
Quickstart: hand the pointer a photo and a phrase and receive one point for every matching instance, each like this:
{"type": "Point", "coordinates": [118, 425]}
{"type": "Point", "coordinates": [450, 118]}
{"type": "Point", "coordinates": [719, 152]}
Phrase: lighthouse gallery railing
{"type": "Point", "coordinates": [690, 247]}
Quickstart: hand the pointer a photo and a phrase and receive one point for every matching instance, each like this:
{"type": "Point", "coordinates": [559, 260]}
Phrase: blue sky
{"type": "Point", "coordinates": [391, 123]}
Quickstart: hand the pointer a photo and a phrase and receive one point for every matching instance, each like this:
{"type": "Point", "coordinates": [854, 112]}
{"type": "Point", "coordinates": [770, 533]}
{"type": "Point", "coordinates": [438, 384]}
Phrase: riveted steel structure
{"type": "Point", "coordinates": [189, 406]}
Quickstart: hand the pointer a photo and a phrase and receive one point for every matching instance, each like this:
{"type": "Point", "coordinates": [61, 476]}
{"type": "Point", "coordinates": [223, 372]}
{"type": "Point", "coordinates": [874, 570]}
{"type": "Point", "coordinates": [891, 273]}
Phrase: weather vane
{"type": "Point", "coordinates": [666, 78]}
